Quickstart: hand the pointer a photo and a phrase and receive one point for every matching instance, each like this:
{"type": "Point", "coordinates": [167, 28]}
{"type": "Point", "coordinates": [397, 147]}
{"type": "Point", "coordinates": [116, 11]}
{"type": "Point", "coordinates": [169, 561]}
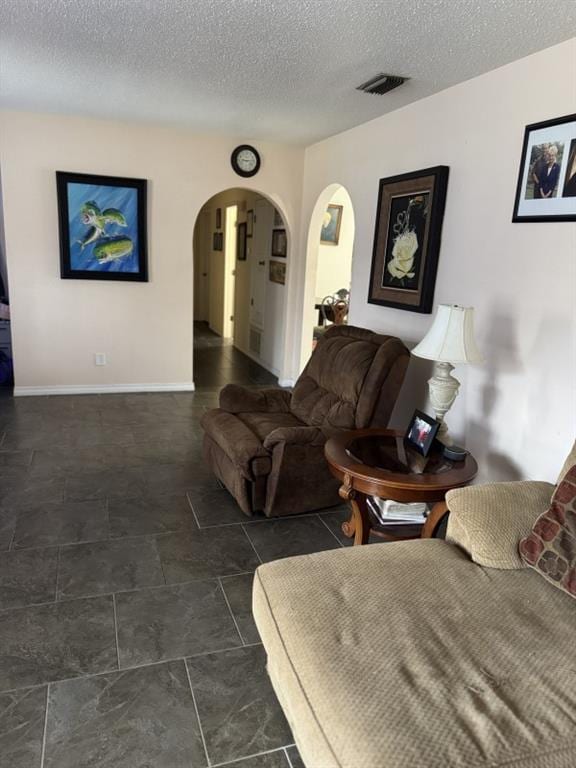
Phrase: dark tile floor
{"type": "Point", "coordinates": [126, 632]}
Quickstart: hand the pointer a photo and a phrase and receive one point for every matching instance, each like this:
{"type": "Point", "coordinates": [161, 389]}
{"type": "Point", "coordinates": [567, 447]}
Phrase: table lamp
{"type": "Point", "coordinates": [450, 340]}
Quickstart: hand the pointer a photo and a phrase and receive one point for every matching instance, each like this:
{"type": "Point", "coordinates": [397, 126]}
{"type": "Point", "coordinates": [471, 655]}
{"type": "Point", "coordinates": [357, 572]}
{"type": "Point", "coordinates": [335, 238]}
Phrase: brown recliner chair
{"type": "Point", "coordinates": [267, 446]}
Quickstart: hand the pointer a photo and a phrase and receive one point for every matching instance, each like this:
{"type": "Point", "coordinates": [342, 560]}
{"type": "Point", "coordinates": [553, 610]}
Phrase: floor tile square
{"type": "Point", "coordinates": [28, 577]}
{"type": "Point", "coordinates": [172, 622]}
{"type": "Point", "coordinates": [238, 591]}
{"type": "Point", "coordinates": [172, 478]}
{"type": "Point", "coordinates": [30, 490]}
{"type": "Point", "coordinates": [287, 537]}
{"type": "Point", "coordinates": [150, 514]}
{"type": "Point", "coordinates": [44, 643]}
{"type": "Point", "coordinates": [206, 554]}
{"type": "Point", "coordinates": [108, 483]}
{"type": "Point", "coordinates": [294, 757]}
{"type": "Point", "coordinates": [238, 710]}
{"type": "Point", "coordinates": [140, 718]}
{"type": "Point", "coordinates": [15, 458]}
{"type": "Point", "coordinates": [22, 715]}
{"type": "Point", "coordinates": [108, 566]}
{"type": "Point", "coordinates": [275, 759]}
{"type": "Point", "coordinates": [8, 518]}
{"type": "Point", "coordinates": [334, 519]}
{"type": "Point", "coordinates": [44, 525]}
{"type": "Point", "coordinates": [215, 506]}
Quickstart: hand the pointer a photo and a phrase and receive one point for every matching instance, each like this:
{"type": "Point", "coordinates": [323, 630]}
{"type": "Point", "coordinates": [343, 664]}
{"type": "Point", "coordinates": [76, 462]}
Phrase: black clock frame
{"type": "Point", "coordinates": [236, 167]}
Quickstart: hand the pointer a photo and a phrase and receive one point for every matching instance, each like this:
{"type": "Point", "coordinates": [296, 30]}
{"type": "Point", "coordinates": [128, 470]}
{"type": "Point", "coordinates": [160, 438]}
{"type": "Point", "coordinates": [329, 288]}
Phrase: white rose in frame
{"type": "Point", "coordinates": [402, 262]}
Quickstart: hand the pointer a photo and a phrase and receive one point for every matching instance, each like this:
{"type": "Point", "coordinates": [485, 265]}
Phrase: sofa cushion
{"type": "Point", "coordinates": [261, 424]}
{"type": "Point", "coordinates": [488, 521]}
{"type": "Point", "coordinates": [551, 546]}
{"type": "Point", "coordinates": [568, 464]}
{"type": "Point", "coordinates": [408, 655]}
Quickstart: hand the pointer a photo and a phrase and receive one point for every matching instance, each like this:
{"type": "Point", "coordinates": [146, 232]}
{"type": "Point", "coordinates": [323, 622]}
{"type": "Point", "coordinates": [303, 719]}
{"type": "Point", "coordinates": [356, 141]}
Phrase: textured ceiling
{"type": "Point", "coordinates": [265, 69]}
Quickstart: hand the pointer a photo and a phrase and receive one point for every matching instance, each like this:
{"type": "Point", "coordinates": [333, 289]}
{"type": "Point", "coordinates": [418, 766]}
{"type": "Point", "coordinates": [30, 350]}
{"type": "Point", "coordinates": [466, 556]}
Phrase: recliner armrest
{"type": "Point", "coordinates": [237, 399]}
{"type": "Point", "coordinates": [296, 436]}
{"type": "Point", "coordinates": [238, 442]}
{"type": "Point", "coordinates": [488, 521]}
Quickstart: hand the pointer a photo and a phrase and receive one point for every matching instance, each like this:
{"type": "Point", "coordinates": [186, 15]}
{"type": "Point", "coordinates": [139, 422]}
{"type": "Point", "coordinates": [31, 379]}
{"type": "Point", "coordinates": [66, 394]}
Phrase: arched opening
{"type": "Point", "coordinates": [240, 253]}
{"type": "Point", "coordinates": [329, 255]}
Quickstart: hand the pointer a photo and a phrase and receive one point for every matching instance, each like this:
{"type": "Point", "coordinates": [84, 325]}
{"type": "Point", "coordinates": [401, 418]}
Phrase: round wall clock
{"type": "Point", "coordinates": [245, 160]}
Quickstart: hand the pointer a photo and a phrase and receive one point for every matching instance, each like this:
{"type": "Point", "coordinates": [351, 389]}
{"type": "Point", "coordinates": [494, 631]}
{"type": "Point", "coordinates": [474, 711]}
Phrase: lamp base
{"type": "Point", "coordinates": [443, 389]}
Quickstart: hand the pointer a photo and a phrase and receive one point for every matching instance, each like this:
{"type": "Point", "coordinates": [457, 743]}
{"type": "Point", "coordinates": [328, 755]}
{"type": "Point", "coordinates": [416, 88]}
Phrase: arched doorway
{"type": "Point", "coordinates": [240, 253]}
{"type": "Point", "coordinates": [329, 254]}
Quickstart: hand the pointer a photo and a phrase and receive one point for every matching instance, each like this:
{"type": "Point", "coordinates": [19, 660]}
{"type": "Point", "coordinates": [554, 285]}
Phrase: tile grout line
{"type": "Point", "coordinates": [237, 760]}
{"type": "Point", "coordinates": [189, 500]}
{"type": "Point", "coordinates": [57, 576]}
{"type": "Point", "coordinates": [44, 733]}
{"type": "Point", "coordinates": [324, 523]}
{"type": "Point", "coordinates": [288, 757]}
{"type": "Point", "coordinates": [231, 611]}
{"type": "Point", "coordinates": [252, 544]}
{"type": "Point", "coordinates": [208, 763]}
{"type": "Point", "coordinates": [116, 629]}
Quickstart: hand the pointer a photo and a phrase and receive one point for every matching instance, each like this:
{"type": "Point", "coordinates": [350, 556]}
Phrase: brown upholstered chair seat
{"type": "Point", "coordinates": [267, 446]}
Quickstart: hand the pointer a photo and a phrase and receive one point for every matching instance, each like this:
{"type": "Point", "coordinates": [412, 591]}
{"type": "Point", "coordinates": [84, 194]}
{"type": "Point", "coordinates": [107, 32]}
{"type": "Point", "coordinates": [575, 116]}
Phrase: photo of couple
{"type": "Point", "coordinates": [544, 175]}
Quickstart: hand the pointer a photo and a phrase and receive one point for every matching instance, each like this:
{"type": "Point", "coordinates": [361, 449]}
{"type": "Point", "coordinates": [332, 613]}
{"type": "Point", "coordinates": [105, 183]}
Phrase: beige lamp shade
{"type": "Point", "coordinates": [451, 337]}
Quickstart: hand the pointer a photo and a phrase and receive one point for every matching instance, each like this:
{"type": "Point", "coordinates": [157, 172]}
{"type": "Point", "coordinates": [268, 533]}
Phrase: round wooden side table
{"type": "Point", "coordinates": [378, 462]}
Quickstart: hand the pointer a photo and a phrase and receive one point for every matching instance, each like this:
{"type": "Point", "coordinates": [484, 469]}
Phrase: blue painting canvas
{"type": "Point", "coordinates": [102, 227]}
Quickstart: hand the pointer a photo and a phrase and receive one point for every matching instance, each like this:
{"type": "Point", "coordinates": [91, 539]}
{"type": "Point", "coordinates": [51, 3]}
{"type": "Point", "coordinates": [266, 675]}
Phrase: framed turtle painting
{"type": "Point", "coordinates": [407, 239]}
{"type": "Point", "coordinates": [102, 227]}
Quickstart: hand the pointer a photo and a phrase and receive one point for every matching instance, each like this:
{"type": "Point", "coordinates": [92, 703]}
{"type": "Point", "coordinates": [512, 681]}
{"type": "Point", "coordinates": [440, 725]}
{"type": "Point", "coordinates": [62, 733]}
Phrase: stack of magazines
{"type": "Point", "coordinates": [394, 513]}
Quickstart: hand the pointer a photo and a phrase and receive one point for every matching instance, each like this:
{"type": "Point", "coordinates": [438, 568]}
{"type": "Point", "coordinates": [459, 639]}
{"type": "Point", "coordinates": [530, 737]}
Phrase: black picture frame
{"type": "Point", "coordinates": [218, 218]}
{"type": "Point", "coordinates": [97, 246]}
{"type": "Point", "coordinates": [241, 241]}
{"type": "Point", "coordinates": [421, 443]}
{"type": "Point", "coordinates": [531, 204]}
{"type": "Point", "coordinates": [250, 222]}
{"type": "Point", "coordinates": [410, 211]}
{"type": "Point", "coordinates": [279, 243]}
{"type": "Point", "coordinates": [218, 241]}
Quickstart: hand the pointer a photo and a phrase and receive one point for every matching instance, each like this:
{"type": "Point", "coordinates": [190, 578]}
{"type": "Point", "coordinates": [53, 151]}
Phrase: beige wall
{"type": "Point", "coordinates": [334, 268]}
{"type": "Point", "coordinates": [517, 413]}
{"type": "Point", "coordinates": [144, 328]}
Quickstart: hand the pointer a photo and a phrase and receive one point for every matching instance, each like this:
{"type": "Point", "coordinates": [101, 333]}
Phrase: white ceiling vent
{"type": "Point", "coordinates": [381, 84]}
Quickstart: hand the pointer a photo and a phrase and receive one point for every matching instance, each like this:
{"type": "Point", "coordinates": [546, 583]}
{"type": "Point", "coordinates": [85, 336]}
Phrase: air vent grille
{"type": "Point", "coordinates": [381, 84]}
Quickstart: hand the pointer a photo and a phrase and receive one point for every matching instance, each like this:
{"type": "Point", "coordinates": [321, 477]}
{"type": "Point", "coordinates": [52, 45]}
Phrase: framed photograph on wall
{"type": "Point", "coordinates": [241, 241]}
{"type": "Point", "coordinates": [546, 188]}
{"type": "Point", "coordinates": [102, 223]}
{"type": "Point", "coordinates": [277, 272]}
{"type": "Point", "coordinates": [218, 241]}
{"type": "Point", "coordinates": [330, 232]}
{"type": "Point", "coordinates": [249, 223]}
{"type": "Point", "coordinates": [279, 243]}
{"type": "Point", "coordinates": [407, 239]}
{"type": "Point", "coordinates": [218, 218]}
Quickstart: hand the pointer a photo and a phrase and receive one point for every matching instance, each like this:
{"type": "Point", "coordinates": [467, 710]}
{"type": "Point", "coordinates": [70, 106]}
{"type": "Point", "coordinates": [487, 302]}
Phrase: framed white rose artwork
{"type": "Point", "coordinates": [407, 239]}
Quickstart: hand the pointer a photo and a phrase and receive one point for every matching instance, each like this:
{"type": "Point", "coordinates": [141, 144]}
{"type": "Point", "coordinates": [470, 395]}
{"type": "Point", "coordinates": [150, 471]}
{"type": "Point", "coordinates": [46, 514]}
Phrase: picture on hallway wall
{"type": "Point", "coordinates": [330, 232]}
{"type": "Point", "coordinates": [546, 188]}
{"type": "Point", "coordinates": [241, 241]}
{"type": "Point", "coordinates": [218, 241]}
{"type": "Point", "coordinates": [407, 239]}
{"type": "Point", "coordinates": [102, 222]}
{"type": "Point", "coordinates": [279, 243]}
{"type": "Point", "coordinates": [277, 273]}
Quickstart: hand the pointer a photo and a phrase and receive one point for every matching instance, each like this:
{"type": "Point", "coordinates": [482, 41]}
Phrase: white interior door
{"type": "Point", "coordinates": [229, 270]}
{"type": "Point", "coordinates": [261, 245]}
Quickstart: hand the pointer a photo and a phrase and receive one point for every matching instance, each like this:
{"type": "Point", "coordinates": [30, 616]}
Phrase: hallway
{"type": "Point", "coordinates": [217, 362]}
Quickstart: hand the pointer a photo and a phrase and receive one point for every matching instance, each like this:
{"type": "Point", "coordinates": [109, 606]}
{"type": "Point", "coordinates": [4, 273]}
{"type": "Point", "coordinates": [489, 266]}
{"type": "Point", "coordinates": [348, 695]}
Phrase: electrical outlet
{"type": "Point", "coordinates": [99, 358]}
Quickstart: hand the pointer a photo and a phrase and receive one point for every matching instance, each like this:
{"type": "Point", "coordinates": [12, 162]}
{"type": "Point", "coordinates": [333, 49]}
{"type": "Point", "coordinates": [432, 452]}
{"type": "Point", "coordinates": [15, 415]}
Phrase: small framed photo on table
{"type": "Point", "coordinates": [421, 432]}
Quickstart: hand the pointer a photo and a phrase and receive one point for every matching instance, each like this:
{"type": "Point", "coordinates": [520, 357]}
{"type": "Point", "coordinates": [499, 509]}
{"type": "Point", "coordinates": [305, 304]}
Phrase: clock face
{"type": "Point", "coordinates": [245, 160]}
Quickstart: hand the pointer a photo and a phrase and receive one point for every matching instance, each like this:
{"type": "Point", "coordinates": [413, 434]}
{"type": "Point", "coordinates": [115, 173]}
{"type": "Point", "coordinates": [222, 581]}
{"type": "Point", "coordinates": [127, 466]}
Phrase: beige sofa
{"type": "Point", "coordinates": [430, 653]}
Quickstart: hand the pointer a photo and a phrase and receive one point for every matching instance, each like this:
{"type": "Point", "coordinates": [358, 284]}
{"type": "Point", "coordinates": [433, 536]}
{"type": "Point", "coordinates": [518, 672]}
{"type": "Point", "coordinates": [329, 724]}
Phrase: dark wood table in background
{"type": "Point", "coordinates": [377, 462]}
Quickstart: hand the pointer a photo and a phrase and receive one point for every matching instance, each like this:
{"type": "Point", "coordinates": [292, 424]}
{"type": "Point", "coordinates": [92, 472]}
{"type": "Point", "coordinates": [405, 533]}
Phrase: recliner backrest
{"type": "Point", "coordinates": [352, 379]}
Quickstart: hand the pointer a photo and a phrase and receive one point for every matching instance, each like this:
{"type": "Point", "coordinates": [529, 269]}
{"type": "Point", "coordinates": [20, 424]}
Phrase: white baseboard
{"type": "Point", "coordinates": [102, 389]}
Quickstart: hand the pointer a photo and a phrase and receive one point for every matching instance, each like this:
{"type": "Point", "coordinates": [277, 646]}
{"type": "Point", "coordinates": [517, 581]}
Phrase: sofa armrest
{"type": "Point", "coordinates": [296, 436]}
{"type": "Point", "coordinates": [238, 442]}
{"type": "Point", "coordinates": [488, 521]}
{"type": "Point", "coordinates": [237, 399]}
